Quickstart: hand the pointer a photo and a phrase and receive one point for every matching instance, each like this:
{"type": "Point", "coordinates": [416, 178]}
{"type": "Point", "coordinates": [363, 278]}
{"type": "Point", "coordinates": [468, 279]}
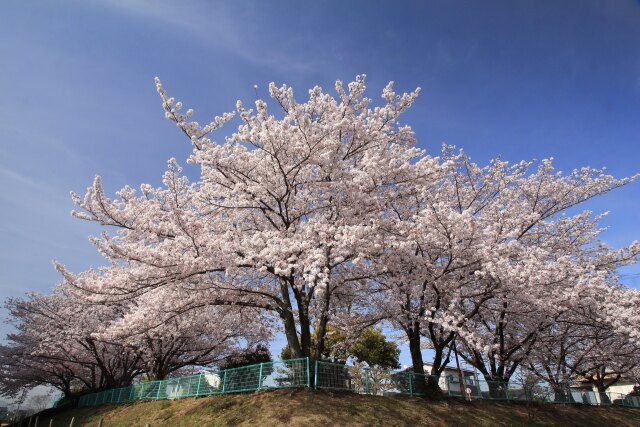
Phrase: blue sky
{"type": "Point", "coordinates": [520, 79]}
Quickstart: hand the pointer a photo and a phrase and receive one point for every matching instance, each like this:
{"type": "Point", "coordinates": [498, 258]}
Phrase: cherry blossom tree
{"type": "Point", "coordinates": [479, 252]}
{"type": "Point", "coordinates": [203, 336]}
{"type": "Point", "coordinates": [72, 343]}
{"type": "Point", "coordinates": [538, 256]}
{"type": "Point", "coordinates": [584, 345]}
{"type": "Point", "coordinates": [583, 340]}
{"type": "Point", "coordinates": [20, 370]}
{"type": "Point", "coordinates": [54, 344]}
{"type": "Point", "coordinates": [276, 220]}
{"type": "Point", "coordinates": [426, 269]}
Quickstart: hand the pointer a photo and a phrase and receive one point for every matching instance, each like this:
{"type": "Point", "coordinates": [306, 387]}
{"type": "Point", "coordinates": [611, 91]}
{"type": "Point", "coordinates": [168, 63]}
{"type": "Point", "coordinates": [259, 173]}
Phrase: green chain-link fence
{"type": "Point", "coordinates": [281, 374]}
{"type": "Point", "coordinates": [358, 379]}
{"type": "Point", "coordinates": [582, 396]}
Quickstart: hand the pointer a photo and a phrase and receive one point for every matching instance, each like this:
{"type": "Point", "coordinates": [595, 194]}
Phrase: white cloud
{"type": "Point", "coordinates": [212, 24]}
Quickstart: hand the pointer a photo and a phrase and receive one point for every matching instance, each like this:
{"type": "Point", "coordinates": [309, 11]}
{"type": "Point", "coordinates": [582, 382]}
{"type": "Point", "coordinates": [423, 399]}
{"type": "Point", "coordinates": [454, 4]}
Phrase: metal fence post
{"type": "Point", "coordinates": [308, 372]}
{"type": "Point", "coordinates": [315, 377]}
{"type": "Point", "coordinates": [158, 393]}
{"type": "Point", "coordinates": [199, 382]}
{"type": "Point", "coordinates": [366, 380]}
{"type": "Point", "coordinates": [410, 383]}
{"type": "Point", "coordinates": [224, 381]}
{"type": "Point", "coordinates": [260, 377]}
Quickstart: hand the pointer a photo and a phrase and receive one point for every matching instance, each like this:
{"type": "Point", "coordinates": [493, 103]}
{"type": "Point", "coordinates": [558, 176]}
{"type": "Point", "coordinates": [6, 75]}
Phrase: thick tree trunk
{"type": "Point", "coordinates": [300, 340]}
{"type": "Point", "coordinates": [291, 334]}
{"type": "Point", "coordinates": [157, 371]}
{"type": "Point", "coordinates": [602, 393]}
{"type": "Point", "coordinates": [422, 384]}
{"type": "Point", "coordinates": [322, 326]}
{"type": "Point", "coordinates": [321, 335]}
{"type": "Point", "coordinates": [436, 368]}
{"type": "Point", "coordinates": [303, 321]}
{"type": "Point", "coordinates": [67, 390]}
{"type": "Point", "coordinates": [497, 389]}
{"type": "Point", "coordinates": [305, 332]}
{"type": "Point", "coordinates": [442, 352]}
{"type": "Point", "coordinates": [433, 379]}
{"type": "Point", "coordinates": [157, 375]}
{"type": "Point", "coordinates": [560, 395]}
{"type": "Point", "coordinates": [288, 321]}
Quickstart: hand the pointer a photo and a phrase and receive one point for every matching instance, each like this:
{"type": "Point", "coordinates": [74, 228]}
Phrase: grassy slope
{"type": "Point", "coordinates": [304, 408]}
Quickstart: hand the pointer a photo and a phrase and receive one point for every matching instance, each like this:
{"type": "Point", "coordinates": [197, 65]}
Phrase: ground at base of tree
{"type": "Point", "coordinates": [305, 407]}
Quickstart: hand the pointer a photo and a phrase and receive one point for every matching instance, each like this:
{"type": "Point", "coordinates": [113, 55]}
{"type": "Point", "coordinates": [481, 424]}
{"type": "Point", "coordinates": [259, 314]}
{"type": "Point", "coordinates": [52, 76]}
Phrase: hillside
{"type": "Point", "coordinates": [306, 408]}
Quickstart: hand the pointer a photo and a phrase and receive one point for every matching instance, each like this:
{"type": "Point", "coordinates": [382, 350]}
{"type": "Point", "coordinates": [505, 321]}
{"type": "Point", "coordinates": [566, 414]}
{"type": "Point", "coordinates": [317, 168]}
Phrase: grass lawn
{"type": "Point", "coordinates": [305, 407]}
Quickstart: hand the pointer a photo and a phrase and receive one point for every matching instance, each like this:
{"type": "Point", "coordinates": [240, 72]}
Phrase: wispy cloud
{"type": "Point", "coordinates": [10, 175]}
{"type": "Point", "coordinates": [212, 24]}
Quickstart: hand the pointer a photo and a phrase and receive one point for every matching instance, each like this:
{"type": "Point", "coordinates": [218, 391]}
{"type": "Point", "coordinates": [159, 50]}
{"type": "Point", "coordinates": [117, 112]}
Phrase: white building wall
{"type": "Point", "coordinates": [621, 388]}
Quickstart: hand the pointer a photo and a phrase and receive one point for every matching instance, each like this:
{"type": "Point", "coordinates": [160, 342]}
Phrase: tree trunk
{"type": "Point", "coordinates": [497, 389]}
{"type": "Point", "coordinates": [560, 395]}
{"type": "Point", "coordinates": [440, 361]}
{"type": "Point", "coordinates": [289, 323]}
{"type": "Point", "coordinates": [322, 326]}
{"type": "Point", "coordinates": [292, 335]}
{"type": "Point", "coordinates": [602, 393]}
{"type": "Point", "coordinates": [305, 332]}
{"type": "Point", "coordinates": [422, 384]}
{"type": "Point", "coordinates": [67, 390]}
{"type": "Point", "coordinates": [157, 375]}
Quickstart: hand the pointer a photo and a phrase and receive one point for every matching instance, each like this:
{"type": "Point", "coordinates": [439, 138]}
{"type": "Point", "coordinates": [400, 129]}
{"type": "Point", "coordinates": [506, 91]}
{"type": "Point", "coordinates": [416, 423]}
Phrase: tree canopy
{"type": "Point", "coordinates": [317, 217]}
